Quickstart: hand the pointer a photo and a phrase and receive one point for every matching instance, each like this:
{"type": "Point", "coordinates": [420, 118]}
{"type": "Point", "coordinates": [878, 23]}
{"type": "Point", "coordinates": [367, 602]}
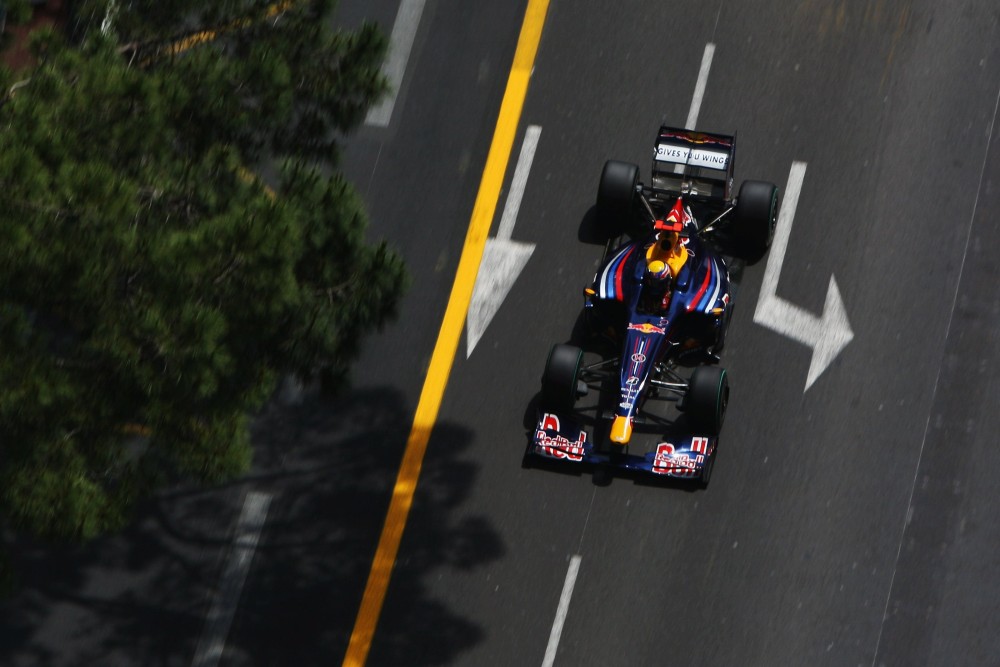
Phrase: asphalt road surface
{"type": "Point", "coordinates": [847, 524]}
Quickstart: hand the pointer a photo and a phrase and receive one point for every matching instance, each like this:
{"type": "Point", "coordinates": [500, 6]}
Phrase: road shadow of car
{"type": "Point", "coordinates": [590, 231]}
{"type": "Point", "coordinates": [593, 231]}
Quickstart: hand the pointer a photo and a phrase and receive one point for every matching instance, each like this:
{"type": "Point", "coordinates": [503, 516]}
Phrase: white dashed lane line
{"type": "Point", "coordinates": [699, 88]}
{"type": "Point", "coordinates": [227, 596]}
{"type": "Point", "coordinates": [562, 610]}
{"type": "Point", "coordinates": [699, 93]}
{"type": "Point", "coordinates": [404, 30]}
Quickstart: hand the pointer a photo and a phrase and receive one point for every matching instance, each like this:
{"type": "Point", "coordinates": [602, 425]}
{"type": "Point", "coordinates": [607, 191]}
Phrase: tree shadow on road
{"type": "Point", "coordinates": [141, 598]}
{"type": "Point", "coordinates": [313, 570]}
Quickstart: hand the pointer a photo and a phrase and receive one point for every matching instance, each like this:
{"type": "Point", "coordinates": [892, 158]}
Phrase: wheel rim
{"type": "Point", "coordinates": [722, 402]}
{"type": "Point", "coordinates": [774, 217]}
{"type": "Point", "coordinates": [576, 377]}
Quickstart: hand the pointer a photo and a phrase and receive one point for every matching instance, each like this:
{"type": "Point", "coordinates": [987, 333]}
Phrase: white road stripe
{"type": "Point", "coordinates": [227, 596]}
{"type": "Point", "coordinates": [699, 88]}
{"type": "Point", "coordinates": [699, 93]}
{"type": "Point", "coordinates": [521, 171]}
{"type": "Point", "coordinates": [561, 611]}
{"type": "Point", "coordinates": [400, 43]}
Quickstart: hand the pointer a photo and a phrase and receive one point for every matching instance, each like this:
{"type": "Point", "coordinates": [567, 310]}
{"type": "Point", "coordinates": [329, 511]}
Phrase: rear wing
{"type": "Point", "coordinates": [698, 165]}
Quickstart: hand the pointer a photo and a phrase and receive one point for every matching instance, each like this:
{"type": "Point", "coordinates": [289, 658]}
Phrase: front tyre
{"type": "Point", "coordinates": [707, 398]}
{"type": "Point", "coordinates": [559, 380]}
{"type": "Point", "coordinates": [706, 472]}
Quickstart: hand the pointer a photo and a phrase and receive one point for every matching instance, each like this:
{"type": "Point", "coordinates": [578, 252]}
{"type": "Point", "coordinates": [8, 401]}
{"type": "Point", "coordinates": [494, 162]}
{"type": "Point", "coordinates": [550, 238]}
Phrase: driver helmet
{"type": "Point", "coordinates": [658, 286]}
{"type": "Point", "coordinates": [658, 273]}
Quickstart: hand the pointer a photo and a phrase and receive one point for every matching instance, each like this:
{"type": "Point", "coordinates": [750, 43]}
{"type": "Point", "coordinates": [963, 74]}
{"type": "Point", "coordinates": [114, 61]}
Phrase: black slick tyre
{"type": "Point", "coordinates": [706, 472]}
{"type": "Point", "coordinates": [755, 217]}
{"type": "Point", "coordinates": [616, 197]}
{"type": "Point", "coordinates": [559, 380]}
{"type": "Point", "coordinates": [707, 399]}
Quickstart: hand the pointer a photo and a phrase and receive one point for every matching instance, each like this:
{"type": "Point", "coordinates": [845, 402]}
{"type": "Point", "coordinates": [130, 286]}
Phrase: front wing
{"type": "Point", "coordinates": [561, 439]}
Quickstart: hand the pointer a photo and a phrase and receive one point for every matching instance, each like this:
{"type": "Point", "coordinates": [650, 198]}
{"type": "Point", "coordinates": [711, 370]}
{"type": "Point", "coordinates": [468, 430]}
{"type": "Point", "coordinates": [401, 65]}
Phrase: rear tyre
{"type": "Point", "coordinates": [559, 380]}
{"type": "Point", "coordinates": [616, 197]}
{"type": "Point", "coordinates": [754, 219]}
{"type": "Point", "coordinates": [707, 399]}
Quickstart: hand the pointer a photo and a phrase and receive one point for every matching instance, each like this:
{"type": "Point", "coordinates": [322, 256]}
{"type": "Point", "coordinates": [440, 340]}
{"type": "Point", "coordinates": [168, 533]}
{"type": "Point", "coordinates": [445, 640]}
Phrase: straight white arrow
{"type": "Point", "coordinates": [503, 259]}
{"type": "Point", "coordinates": [826, 335]}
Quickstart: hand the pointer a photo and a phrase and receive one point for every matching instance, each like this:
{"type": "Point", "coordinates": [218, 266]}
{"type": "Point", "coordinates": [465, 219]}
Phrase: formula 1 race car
{"type": "Point", "coordinates": [659, 305]}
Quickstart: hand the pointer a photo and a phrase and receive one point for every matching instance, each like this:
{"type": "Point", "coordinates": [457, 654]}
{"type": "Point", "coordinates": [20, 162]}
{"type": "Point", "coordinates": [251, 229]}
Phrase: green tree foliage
{"type": "Point", "coordinates": [148, 279]}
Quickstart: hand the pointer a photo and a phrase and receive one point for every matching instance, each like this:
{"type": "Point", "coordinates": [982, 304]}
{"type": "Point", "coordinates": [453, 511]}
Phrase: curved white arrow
{"type": "Point", "coordinates": [503, 259]}
{"type": "Point", "coordinates": [826, 335]}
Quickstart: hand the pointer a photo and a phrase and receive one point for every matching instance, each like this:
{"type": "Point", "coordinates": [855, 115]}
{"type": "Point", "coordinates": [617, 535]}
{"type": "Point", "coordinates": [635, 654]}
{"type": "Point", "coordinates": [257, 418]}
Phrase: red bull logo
{"type": "Point", "coordinates": [647, 328]}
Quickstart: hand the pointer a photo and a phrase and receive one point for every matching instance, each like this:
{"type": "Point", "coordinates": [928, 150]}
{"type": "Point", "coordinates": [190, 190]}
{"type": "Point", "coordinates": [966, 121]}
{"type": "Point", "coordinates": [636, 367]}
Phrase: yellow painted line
{"type": "Point", "coordinates": [136, 429]}
{"type": "Point", "coordinates": [205, 36]}
{"type": "Point", "coordinates": [449, 335]}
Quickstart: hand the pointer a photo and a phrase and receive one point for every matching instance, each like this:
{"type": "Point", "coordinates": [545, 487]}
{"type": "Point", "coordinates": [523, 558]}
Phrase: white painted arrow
{"type": "Point", "coordinates": [503, 259]}
{"type": "Point", "coordinates": [826, 335]}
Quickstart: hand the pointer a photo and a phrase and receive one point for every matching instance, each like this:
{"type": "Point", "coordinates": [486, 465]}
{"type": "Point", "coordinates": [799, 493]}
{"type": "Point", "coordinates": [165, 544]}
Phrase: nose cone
{"type": "Point", "coordinates": [621, 430]}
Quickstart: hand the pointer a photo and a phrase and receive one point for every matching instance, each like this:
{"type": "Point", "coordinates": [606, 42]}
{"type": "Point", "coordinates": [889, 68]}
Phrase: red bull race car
{"type": "Point", "coordinates": [656, 314]}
